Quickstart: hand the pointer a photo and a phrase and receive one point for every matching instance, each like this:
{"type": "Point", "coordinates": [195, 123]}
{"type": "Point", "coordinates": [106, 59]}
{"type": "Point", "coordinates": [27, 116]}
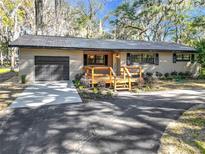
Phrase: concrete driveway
{"type": "Point", "coordinates": [128, 124]}
{"type": "Point", "coordinates": [47, 93]}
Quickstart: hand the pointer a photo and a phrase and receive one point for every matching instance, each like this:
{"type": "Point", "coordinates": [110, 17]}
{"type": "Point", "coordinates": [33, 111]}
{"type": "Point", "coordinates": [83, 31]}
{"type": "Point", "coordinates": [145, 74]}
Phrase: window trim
{"type": "Point", "coordinates": [183, 60]}
{"type": "Point", "coordinates": [95, 63]}
{"type": "Point", "coordinates": [155, 59]}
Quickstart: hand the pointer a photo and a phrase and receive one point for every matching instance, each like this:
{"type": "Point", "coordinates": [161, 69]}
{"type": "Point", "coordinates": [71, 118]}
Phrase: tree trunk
{"type": "Point", "coordinates": [13, 59]}
{"type": "Point", "coordinates": [38, 16]}
{"type": "Point", "coordinates": [2, 58]}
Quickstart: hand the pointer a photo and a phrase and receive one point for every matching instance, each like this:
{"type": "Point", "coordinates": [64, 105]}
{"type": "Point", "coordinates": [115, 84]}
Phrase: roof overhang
{"type": "Point", "coordinates": [51, 42]}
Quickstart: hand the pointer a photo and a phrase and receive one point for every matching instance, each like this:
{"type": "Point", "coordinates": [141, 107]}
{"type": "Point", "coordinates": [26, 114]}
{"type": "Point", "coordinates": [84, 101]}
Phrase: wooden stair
{"type": "Point", "coordinates": [120, 86]}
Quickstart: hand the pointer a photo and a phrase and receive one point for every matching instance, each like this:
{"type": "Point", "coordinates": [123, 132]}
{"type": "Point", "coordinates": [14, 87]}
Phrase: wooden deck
{"type": "Point", "coordinates": [128, 75]}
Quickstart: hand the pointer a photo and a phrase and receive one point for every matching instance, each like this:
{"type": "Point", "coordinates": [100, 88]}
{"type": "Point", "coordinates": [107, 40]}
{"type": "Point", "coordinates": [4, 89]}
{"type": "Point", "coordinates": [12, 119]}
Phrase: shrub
{"type": "Point", "coordinates": [101, 84]}
{"type": "Point", "coordinates": [23, 79]}
{"type": "Point", "coordinates": [159, 75]}
{"type": "Point", "coordinates": [81, 87]}
{"type": "Point", "coordinates": [150, 74]}
{"type": "Point", "coordinates": [85, 82]}
{"type": "Point", "coordinates": [149, 81]}
{"type": "Point", "coordinates": [140, 83]}
{"type": "Point", "coordinates": [166, 75]}
{"type": "Point", "coordinates": [181, 74]}
{"type": "Point", "coordinates": [201, 77]}
{"type": "Point", "coordinates": [187, 74]}
{"type": "Point", "coordinates": [109, 93]}
{"type": "Point", "coordinates": [95, 90]}
{"type": "Point", "coordinates": [174, 73]}
{"type": "Point", "coordinates": [170, 78]}
{"type": "Point", "coordinates": [78, 76]}
{"type": "Point", "coordinates": [76, 83]}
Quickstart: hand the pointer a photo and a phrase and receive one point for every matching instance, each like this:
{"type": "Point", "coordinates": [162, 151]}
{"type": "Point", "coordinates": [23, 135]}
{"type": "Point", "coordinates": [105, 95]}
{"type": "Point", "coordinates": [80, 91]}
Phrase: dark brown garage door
{"type": "Point", "coordinates": [49, 68]}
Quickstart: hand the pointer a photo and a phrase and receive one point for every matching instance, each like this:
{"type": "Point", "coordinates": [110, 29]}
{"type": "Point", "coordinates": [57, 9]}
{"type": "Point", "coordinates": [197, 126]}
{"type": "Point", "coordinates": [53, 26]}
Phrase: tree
{"type": "Point", "coordinates": [200, 45]}
{"type": "Point", "coordinates": [38, 16]}
{"type": "Point", "coordinates": [157, 20]}
{"type": "Point", "coordinates": [13, 15]}
{"type": "Point", "coordinates": [88, 22]}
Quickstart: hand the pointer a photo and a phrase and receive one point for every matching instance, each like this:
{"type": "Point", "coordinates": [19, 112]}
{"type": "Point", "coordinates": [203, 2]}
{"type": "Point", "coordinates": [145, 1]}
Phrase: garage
{"type": "Point", "coordinates": [51, 68]}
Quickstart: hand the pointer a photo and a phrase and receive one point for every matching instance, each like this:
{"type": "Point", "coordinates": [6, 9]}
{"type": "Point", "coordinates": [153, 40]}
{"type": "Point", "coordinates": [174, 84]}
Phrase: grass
{"type": "Point", "coordinates": [4, 70]}
{"type": "Point", "coordinates": [187, 135]}
{"type": "Point", "coordinates": [203, 71]}
{"type": "Point", "coordinates": [200, 145]}
{"type": "Point", "coordinates": [184, 84]}
{"type": "Point", "coordinates": [163, 85]}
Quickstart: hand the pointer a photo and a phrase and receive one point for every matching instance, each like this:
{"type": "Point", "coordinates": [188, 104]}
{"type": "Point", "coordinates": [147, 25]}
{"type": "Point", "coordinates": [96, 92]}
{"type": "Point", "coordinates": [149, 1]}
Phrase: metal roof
{"type": "Point", "coordinates": [41, 41]}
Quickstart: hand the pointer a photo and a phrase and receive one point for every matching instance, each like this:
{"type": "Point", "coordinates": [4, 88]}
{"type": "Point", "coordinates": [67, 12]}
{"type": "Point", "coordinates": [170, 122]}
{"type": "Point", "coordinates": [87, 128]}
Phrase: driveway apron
{"type": "Point", "coordinates": [47, 93]}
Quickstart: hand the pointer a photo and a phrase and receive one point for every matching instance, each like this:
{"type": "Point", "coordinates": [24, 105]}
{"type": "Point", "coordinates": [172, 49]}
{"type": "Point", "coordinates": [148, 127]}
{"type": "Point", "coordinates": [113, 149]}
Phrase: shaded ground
{"type": "Point", "coordinates": [126, 124]}
{"type": "Point", "coordinates": [9, 91]}
{"type": "Point", "coordinates": [6, 76]}
{"type": "Point", "coordinates": [186, 135]}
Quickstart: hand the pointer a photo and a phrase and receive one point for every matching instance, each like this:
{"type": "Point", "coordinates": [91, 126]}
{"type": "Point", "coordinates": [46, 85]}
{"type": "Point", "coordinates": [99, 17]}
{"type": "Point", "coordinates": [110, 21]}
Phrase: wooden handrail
{"type": "Point", "coordinates": [112, 71]}
{"type": "Point", "coordinates": [127, 72]}
{"type": "Point", "coordinates": [87, 67]}
{"type": "Point", "coordinates": [112, 74]}
{"type": "Point", "coordinates": [135, 73]}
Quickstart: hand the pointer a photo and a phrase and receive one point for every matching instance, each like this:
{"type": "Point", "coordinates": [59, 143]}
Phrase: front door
{"type": "Point", "coordinates": [116, 62]}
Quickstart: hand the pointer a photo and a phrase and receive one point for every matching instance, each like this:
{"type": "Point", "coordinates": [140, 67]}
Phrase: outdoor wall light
{"type": "Point", "coordinates": [117, 56]}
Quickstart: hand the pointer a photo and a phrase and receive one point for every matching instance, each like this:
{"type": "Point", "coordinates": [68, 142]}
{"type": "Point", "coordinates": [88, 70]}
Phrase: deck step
{"type": "Point", "coordinates": [122, 89]}
{"type": "Point", "coordinates": [121, 83]}
{"type": "Point", "coordinates": [122, 86]}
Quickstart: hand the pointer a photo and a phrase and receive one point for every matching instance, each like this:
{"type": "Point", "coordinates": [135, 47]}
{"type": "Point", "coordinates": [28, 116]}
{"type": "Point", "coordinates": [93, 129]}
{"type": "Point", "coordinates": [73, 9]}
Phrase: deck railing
{"type": "Point", "coordinates": [91, 73]}
{"type": "Point", "coordinates": [135, 70]}
{"type": "Point", "coordinates": [127, 76]}
{"type": "Point", "coordinates": [106, 74]}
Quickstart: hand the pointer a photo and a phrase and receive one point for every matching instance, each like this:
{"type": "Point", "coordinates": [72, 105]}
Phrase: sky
{"type": "Point", "coordinates": [108, 8]}
{"type": "Point", "coordinates": [111, 5]}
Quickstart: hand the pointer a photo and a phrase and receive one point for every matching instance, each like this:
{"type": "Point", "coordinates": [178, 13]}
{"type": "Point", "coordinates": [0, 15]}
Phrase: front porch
{"type": "Point", "coordinates": [107, 67]}
{"type": "Point", "coordinates": [122, 81]}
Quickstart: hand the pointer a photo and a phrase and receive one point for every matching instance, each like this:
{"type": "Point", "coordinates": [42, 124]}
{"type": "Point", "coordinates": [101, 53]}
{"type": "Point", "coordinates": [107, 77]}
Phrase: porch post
{"type": "Point", "coordinates": [93, 71]}
{"type": "Point", "coordinates": [140, 69]}
{"type": "Point", "coordinates": [110, 76]}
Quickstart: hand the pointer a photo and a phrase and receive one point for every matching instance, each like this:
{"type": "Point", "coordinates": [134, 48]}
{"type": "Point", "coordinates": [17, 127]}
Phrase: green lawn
{"type": "Point", "coordinates": [203, 71]}
{"type": "Point", "coordinates": [4, 70]}
{"type": "Point", "coordinates": [187, 134]}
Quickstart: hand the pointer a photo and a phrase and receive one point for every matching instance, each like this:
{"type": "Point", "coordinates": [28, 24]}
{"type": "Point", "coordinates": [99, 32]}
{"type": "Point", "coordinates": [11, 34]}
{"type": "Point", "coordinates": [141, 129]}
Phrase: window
{"type": "Point", "coordinates": [183, 57]}
{"type": "Point", "coordinates": [100, 59]}
{"type": "Point", "coordinates": [95, 59]}
{"type": "Point", "coordinates": [144, 58]}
